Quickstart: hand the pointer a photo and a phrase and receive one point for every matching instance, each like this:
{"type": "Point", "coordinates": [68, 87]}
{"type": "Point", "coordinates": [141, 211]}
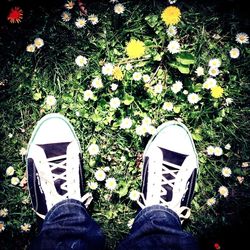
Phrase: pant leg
{"type": "Point", "coordinates": [69, 226]}
{"type": "Point", "coordinates": [157, 227]}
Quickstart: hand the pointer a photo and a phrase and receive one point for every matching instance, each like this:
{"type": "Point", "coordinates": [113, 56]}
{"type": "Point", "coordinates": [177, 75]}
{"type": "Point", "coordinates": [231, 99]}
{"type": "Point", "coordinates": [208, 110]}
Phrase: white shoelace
{"type": "Point", "coordinates": [157, 190]}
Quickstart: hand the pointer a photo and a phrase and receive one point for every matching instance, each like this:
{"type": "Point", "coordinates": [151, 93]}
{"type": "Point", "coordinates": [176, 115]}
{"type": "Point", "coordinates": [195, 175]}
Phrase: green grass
{"type": "Point", "coordinates": [28, 78]}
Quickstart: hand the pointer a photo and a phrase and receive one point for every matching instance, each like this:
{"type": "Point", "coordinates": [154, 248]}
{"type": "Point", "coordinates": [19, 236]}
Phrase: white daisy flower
{"type": "Point", "coordinates": [168, 106]}
{"type": "Point", "coordinates": [141, 130]}
{"type": "Point", "coordinates": [176, 87]}
{"type": "Point", "coordinates": [119, 8]}
{"type": "Point", "coordinates": [151, 129]}
{"type": "Point", "coordinates": [129, 66]}
{"type": "Point", "coordinates": [25, 227]}
{"type": "Point", "coordinates": [146, 120]}
{"type": "Point", "coordinates": [218, 151]}
{"type": "Point", "coordinates": [174, 47]}
{"type": "Point", "coordinates": [88, 94]}
{"type": "Point", "coordinates": [126, 123]}
{"type": "Point", "coordinates": [193, 98]}
{"type": "Point", "coordinates": [123, 158]}
{"type": "Point", "coordinates": [93, 185]}
{"type": "Point", "coordinates": [242, 38]}
{"type": "Point", "coordinates": [234, 53]}
{"type": "Point", "coordinates": [158, 88]}
{"type": "Point", "coordinates": [114, 86]}
{"type": "Point", "coordinates": [31, 48]}
{"type": "Point", "coordinates": [227, 147]}
{"type": "Point", "coordinates": [214, 63]}
{"type": "Point", "coordinates": [115, 103]}
{"type": "Point", "coordinates": [66, 16]}
{"type": "Point", "coordinates": [210, 150]}
{"type": "Point", "coordinates": [81, 61]}
{"type": "Point", "coordinates": [111, 183]}
{"type": "Point", "coordinates": [107, 69]}
{"type": "Point", "coordinates": [211, 201]}
{"type": "Point", "coordinates": [50, 101]}
{"type": "Point", "coordinates": [80, 22]}
{"type": "Point", "coordinates": [38, 42]}
{"type": "Point", "coordinates": [213, 71]}
{"type": "Point", "coordinates": [97, 83]}
{"type": "Point", "coordinates": [14, 181]}
{"type": "Point", "coordinates": [10, 171]}
{"type": "Point", "coordinates": [100, 175]}
{"type": "Point", "coordinates": [93, 19]}
{"type": "Point", "coordinates": [93, 149]}
{"type": "Point", "coordinates": [226, 172]}
{"type": "Point", "coordinates": [134, 195]}
{"type": "Point", "coordinates": [137, 76]}
{"type": "Point", "coordinates": [199, 71]}
{"type": "Point", "coordinates": [229, 101]}
{"type": "Point", "coordinates": [171, 31]}
{"type": "Point", "coordinates": [209, 83]}
{"type": "Point", "coordinates": [223, 191]}
{"type": "Point", "coordinates": [3, 212]}
{"type": "Point", "coordinates": [146, 78]}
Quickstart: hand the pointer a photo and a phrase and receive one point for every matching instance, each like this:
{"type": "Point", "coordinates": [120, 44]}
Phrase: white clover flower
{"type": "Point", "coordinates": [110, 183]}
{"type": "Point", "coordinates": [218, 151]}
{"type": "Point", "coordinates": [223, 191]}
{"type": "Point", "coordinates": [100, 175]}
{"type": "Point", "coordinates": [97, 83]}
{"type": "Point", "coordinates": [226, 172]}
{"type": "Point", "coordinates": [229, 101]}
{"type": "Point", "coordinates": [199, 71]}
{"type": "Point", "coordinates": [119, 8]}
{"type": "Point", "coordinates": [23, 151]}
{"type": "Point", "coordinates": [25, 227]}
{"type": "Point", "coordinates": [134, 195]}
{"type": "Point", "coordinates": [209, 83]}
{"type": "Point", "coordinates": [171, 31]}
{"type": "Point", "coordinates": [213, 71]}
{"type": "Point", "coordinates": [81, 61]}
{"type": "Point", "coordinates": [234, 53]}
{"type": "Point", "coordinates": [80, 22]}
{"type": "Point", "coordinates": [227, 147]}
{"type": "Point", "coordinates": [50, 101]}
{"type": "Point", "coordinates": [193, 98]}
{"type": "Point", "coordinates": [10, 171]}
{"type": "Point", "coordinates": [129, 66]}
{"type": "Point", "coordinates": [3, 212]}
{"type": "Point", "coordinates": [177, 86]}
{"type": "Point", "coordinates": [114, 86]}
{"type": "Point", "coordinates": [168, 106]}
{"type": "Point", "coordinates": [211, 201]}
{"type": "Point", "coordinates": [66, 16]}
{"type": "Point", "coordinates": [210, 150]}
{"type": "Point", "coordinates": [242, 38]}
{"type": "Point", "coordinates": [88, 94]}
{"type": "Point", "coordinates": [31, 48]}
{"type": "Point", "coordinates": [14, 181]}
{"type": "Point", "coordinates": [214, 63]}
{"type": "Point", "coordinates": [126, 123]}
{"type": "Point", "coordinates": [137, 76]}
{"type": "Point", "coordinates": [38, 42]}
{"type": "Point", "coordinates": [146, 78]}
{"type": "Point", "coordinates": [174, 47]}
{"type": "Point", "coordinates": [93, 185]}
{"type": "Point", "coordinates": [146, 120]}
{"type": "Point", "coordinates": [158, 88]}
{"type": "Point", "coordinates": [115, 103]}
{"type": "Point", "coordinates": [107, 69]}
{"type": "Point", "coordinates": [93, 149]}
{"type": "Point", "coordinates": [93, 19]}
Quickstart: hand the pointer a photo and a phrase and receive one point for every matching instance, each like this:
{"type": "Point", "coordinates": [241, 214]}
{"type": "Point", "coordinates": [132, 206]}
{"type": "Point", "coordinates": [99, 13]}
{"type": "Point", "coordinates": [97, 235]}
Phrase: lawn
{"type": "Point", "coordinates": [117, 73]}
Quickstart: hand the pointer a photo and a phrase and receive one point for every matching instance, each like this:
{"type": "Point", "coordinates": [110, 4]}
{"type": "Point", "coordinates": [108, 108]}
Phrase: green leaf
{"type": "Point", "coordinates": [197, 137]}
{"type": "Point", "coordinates": [183, 69]}
{"type": "Point", "coordinates": [96, 117]}
{"type": "Point", "coordinates": [152, 20]}
{"type": "Point", "coordinates": [185, 58]}
{"type": "Point", "coordinates": [124, 190]}
{"type": "Point", "coordinates": [128, 99]}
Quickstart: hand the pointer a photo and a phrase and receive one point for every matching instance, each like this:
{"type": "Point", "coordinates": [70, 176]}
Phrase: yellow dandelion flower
{"type": "Point", "coordinates": [171, 15]}
{"type": "Point", "coordinates": [135, 49]}
{"type": "Point", "coordinates": [217, 91]}
{"type": "Point", "coordinates": [117, 73]}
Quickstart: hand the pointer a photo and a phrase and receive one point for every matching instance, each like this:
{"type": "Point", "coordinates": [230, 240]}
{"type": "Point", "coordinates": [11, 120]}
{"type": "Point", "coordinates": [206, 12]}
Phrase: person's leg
{"type": "Point", "coordinates": [170, 167]}
{"type": "Point", "coordinates": [55, 182]}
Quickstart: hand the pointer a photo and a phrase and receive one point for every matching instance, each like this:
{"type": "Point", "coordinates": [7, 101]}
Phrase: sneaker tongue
{"type": "Point", "coordinates": [173, 157]}
{"type": "Point", "coordinates": [54, 149]}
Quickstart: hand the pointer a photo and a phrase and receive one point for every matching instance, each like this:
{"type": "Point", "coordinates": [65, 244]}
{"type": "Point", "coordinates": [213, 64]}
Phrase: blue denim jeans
{"type": "Point", "coordinates": [69, 226]}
